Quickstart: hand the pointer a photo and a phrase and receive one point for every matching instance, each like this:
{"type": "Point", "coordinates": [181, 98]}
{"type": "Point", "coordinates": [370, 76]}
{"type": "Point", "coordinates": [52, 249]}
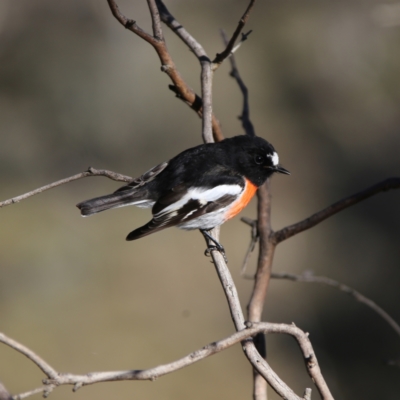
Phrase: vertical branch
{"type": "Point", "coordinates": [206, 93]}
{"type": "Point", "coordinates": [267, 248]}
{"type": "Point", "coordinates": [155, 20]}
{"type": "Point", "coordinates": [262, 279]}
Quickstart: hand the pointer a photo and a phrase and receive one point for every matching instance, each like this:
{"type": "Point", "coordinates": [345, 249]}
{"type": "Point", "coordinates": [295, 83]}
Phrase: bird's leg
{"type": "Point", "coordinates": [218, 246]}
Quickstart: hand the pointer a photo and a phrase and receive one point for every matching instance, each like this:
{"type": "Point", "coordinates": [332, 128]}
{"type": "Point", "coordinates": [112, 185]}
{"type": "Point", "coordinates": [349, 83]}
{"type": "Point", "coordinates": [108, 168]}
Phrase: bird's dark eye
{"type": "Point", "coordinates": [258, 159]}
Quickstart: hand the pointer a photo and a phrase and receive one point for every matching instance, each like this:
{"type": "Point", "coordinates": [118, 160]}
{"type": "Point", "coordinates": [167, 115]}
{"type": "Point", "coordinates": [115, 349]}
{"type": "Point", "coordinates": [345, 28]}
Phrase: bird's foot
{"type": "Point", "coordinates": [209, 249]}
{"type": "Point", "coordinates": [215, 247]}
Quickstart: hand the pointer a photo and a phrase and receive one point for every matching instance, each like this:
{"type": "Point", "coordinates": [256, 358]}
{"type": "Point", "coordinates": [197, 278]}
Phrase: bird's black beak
{"type": "Point", "coordinates": [282, 170]}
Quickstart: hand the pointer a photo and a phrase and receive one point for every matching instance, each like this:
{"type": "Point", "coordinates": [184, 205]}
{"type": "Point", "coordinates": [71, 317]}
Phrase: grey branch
{"type": "Point", "coordinates": [289, 231]}
{"type": "Point", "coordinates": [308, 277]}
{"type": "Point", "coordinates": [247, 331]}
{"type": "Point", "coordinates": [257, 361]}
{"type": "Point", "coordinates": [4, 393]}
{"type": "Point", "coordinates": [90, 172]}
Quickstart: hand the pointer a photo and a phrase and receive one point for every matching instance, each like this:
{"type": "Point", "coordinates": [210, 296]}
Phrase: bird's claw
{"type": "Point", "coordinates": [219, 248]}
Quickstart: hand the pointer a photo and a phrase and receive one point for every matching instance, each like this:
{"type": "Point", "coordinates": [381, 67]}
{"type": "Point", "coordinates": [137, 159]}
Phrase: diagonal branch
{"type": "Point", "coordinates": [265, 372]}
{"type": "Point", "coordinates": [220, 57]}
{"type": "Point", "coordinates": [4, 393]}
{"type": "Point", "coordinates": [245, 117]}
{"type": "Point", "coordinates": [90, 172]}
{"type": "Point", "coordinates": [289, 231]}
{"type": "Point", "coordinates": [308, 277]}
{"type": "Point", "coordinates": [130, 23]}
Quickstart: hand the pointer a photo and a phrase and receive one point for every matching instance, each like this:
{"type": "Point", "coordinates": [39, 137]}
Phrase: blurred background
{"type": "Point", "coordinates": [78, 90]}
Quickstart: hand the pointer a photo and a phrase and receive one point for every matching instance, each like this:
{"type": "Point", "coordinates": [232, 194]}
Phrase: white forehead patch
{"type": "Point", "coordinates": [274, 158]}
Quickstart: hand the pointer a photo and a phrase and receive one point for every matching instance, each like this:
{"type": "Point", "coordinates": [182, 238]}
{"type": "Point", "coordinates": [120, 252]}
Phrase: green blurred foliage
{"type": "Point", "coordinates": [78, 90]}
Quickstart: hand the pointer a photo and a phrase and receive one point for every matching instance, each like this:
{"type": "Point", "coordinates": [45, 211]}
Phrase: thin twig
{"type": "Point", "coordinates": [45, 390]}
{"type": "Point", "coordinates": [308, 277]}
{"type": "Point", "coordinates": [289, 231]}
{"type": "Point", "coordinates": [253, 241]}
{"type": "Point", "coordinates": [90, 172]}
{"type": "Point", "coordinates": [245, 116]}
{"type": "Point", "coordinates": [220, 57]}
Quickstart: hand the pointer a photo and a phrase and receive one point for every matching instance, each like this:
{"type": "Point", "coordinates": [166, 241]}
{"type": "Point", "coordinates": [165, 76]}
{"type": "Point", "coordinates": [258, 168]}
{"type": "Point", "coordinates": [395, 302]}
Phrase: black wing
{"type": "Point", "coordinates": [182, 204]}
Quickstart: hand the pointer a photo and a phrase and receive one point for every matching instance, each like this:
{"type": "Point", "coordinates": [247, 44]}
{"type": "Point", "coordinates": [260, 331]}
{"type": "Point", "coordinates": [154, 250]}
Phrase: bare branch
{"type": "Point", "coordinates": [245, 117]}
{"type": "Point", "coordinates": [262, 277]}
{"type": "Point", "coordinates": [257, 361]}
{"type": "Point", "coordinates": [182, 90]}
{"type": "Point", "coordinates": [155, 18]}
{"type": "Point", "coordinates": [247, 331]}
{"type": "Point", "coordinates": [289, 231]}
{"type": "Point", "coordinates": [254, 239]}
{"type": "Point", "coordinates": [130, 24]}
{"type": "Point", "coordinates": [204, 105]}
{"type": "Point", "coordinates": [47, 369]}
{"type": "Point", "coordinates": [45, 390]}
{"type": "Point", "coordinates": [261, 230]}
{"type": "Point", "coordinates": [90, 172]}
{"type": "Point", "coordinates": [308, 277]}
{"type": "Point", "coordinates": [220, 57]}
{"type": "Point", "coordinates": [4, 393]}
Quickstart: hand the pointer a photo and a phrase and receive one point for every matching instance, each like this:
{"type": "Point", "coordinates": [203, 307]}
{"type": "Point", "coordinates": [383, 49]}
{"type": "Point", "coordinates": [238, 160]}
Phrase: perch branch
{"type": "Point", "coordinates": [90, 172]}
{"type": "Point", "coordinates": [258, 362]}
{"type": "Point", "coordinates": [308, 277]}
{"type": "Point", "coordinates": [289, 231]}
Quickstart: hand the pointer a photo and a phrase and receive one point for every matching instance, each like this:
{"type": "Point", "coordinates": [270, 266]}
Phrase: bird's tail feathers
{"type": "Point", "coordinates": [113, 200]}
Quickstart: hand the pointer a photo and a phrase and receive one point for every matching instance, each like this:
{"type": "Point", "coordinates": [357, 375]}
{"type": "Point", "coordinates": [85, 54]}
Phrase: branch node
{"type": "Point", "coordinates": [129, 23]}
{"type": "Point", "coordinates": [77, 386]}
{"type": "Point", "coordinates": [248, 324]}
{"type": "Point", "coordinates": [48, 390]}
{"type": "Point", "coordinates": [166, 68]}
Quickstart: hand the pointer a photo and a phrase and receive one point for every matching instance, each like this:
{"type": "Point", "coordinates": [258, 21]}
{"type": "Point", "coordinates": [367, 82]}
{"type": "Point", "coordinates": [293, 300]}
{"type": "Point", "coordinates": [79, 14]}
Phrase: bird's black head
{"type": "Point", "coordinates": [255, 158]}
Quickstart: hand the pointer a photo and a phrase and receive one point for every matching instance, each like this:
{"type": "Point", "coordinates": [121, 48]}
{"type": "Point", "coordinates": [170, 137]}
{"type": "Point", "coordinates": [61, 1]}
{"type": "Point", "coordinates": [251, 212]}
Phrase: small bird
{"type": "Point", "coordinates": [200, 188]}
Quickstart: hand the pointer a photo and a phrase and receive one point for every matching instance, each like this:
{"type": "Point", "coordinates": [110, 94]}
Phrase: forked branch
{"type": "Point", "coordinates": [249, 330]}
{"type": "Point", "coordinates": [182, 90]}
